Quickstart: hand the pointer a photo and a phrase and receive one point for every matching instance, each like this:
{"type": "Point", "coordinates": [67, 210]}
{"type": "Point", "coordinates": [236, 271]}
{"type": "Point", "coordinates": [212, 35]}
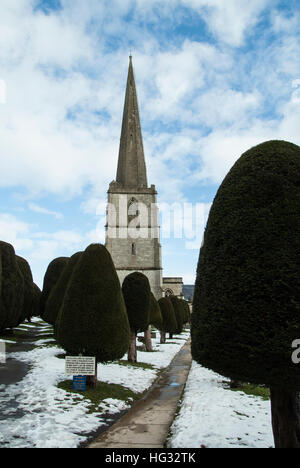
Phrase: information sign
{"type": "Point", "coordinates": [80, 365]}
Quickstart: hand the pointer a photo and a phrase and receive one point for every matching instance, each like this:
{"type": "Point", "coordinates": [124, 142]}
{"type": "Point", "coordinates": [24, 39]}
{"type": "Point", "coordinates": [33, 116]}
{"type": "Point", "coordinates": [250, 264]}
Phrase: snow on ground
{"type": "Point", "coordinates": [35, 413]}
{"type": "Point", "coordinates": [165, 352]}
{"type": "Point", "coordinates": [46, 415]}
{"type": "Point", "coordinates": [138, 380]}
{"type": "Point", "coordinates": [216, 417]}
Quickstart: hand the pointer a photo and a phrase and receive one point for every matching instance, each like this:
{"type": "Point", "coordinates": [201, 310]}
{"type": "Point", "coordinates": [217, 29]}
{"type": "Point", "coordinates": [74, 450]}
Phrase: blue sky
{"type": "Point", "coordinates": [214, 78]}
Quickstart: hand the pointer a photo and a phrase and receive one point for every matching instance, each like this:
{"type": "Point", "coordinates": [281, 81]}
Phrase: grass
{"type": "Point", "coordinates": [255, 390]}
{"type": "Point", "coordinates": [142, 365]}
{"type": "Point", "coordinates": [101, 392]}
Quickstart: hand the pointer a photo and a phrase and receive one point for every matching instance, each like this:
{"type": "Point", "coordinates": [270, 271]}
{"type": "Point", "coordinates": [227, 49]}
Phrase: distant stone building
{"type": "Point", "coordinates": [172, 286]}
{"type": "Point", "coordinates": [132, 206]}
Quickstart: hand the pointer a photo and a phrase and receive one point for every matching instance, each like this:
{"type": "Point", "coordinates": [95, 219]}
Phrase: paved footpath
{"type": "Point", "coordinates": [148, 422]}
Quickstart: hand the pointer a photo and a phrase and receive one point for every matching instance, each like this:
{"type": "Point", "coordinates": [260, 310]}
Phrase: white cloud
{"type": "Point", "coordinates": [174, 77]}
{"type": "Point", "coordinates": [285, 24]}
{"type": "Point", "coordinates": [229, 20]}
{"type": "Point", "coordinates": [2, 92]}
{"type": "Point", "coordinates": [40, 209]}
{"type": "Point", "coordinates": [95, 206]}
{"type": "Point", "coordinates": [15, 232]}
{"type": "Point", "coordinates": [188, 84]}
{"type": "Point", "coordinates": [219, 106]}
{"type": "Point", "coordinates": [41, 148]}
{"type": "Point", "coordinates": [40, 248]}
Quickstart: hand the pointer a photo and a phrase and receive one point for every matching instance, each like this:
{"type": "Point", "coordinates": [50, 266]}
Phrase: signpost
{"type": "Point", "coordinates": [79, 367]}
{"type": "Point", "coordinates": [79, 383]}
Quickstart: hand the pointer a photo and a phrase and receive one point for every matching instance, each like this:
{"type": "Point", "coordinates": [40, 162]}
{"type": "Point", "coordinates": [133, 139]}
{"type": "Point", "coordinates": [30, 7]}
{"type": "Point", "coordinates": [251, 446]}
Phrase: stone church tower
{"type": "Point", "coordinates": [132, 230]}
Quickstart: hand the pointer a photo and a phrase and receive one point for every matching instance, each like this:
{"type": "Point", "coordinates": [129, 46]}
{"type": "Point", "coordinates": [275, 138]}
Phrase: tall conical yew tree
{"type": "Point", "coordinates": [28, 288]}
{"type": "Point", "coordinates": [52, 275]}
{"type": "Point", "coordinates": [92, 320]}
{"type": "Point", "coordinates": [35, 311]}
{"type": "Point", "coordinates": [176, 302]}
{"type": "Point", "coordinates": [169, 324]}
{"type": "Point", "coordinates": [155, 319]}
{"type": "Point", "coordinates": [186, 311]}
{"type": "Point", "coordinates": [56, 296]}
{"type": "Point", "coordinates": [246, 308]}
{"type": "Point", "coordinates": [137, 295]}
{"type": "Point", "coordinates": [12, 288]}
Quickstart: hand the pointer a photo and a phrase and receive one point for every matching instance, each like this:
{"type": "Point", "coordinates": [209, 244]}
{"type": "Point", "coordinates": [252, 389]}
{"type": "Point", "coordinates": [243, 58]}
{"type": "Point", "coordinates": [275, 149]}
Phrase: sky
{"type": "Point", "coordinates": [213, 78]}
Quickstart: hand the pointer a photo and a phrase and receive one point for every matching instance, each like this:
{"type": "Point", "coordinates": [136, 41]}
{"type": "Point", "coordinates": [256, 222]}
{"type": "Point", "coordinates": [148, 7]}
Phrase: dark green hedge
{"type": "Point", "coordinates": [56, 296]}
{"type": "Point", "coordinates": [178, 309]}
{"type": "Point", "coordinates": [155, 317]}
{"type": "Point", "coordinates": [246, 309]}
{"type": "Point", "coordinates": [35, 311]}
{"type": "Point", "coordinates": [169, 324]}
{"type": "Point", "coordinates": [137, 296]}
{"type": "Point", "coordinates": [28, 288]}
{"type": "Point", "coordinates": [54, 270]}
{"type": "Point", "coordinates": [186, 311]}
{"type": "Point", "coordinates": [92, 319]}
{"type": "Point", "coordinates": [12, 288]}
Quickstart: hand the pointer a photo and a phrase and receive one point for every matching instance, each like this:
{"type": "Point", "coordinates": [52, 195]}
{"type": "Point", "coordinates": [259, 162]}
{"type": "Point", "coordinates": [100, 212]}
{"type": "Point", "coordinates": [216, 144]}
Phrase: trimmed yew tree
{"type": "Point", "coordinates": [56, 296]}
{"type": "Point", "coordinates": [178, 313]}
{"type": "Point", "coordinates": [186, 311]}
{"type": "Point", "coordinates": [51, 277]}
{"type": "Point", "coordinates": [92, 320]}
{"type": "Point", "coordinates": [137, 296]}
{"type": "Point", "coordinates": [155, 319]}
{"type": "Point", "coordinates": [246, 309]}
{"type": "Point", "coordinates": [169, 324]}
{"type": "Point", "coordinates": [11, 288]}
{"type": "Point", "coordinates": [35, 311]}
{"type": "Point", "coordinates": [28, 289]}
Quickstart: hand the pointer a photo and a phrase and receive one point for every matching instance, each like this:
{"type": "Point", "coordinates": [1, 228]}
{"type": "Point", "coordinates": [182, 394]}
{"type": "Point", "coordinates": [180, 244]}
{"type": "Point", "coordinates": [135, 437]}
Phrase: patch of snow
{"type": "Point", "coordinates": [35, 413]}
{"type": "Point", "coordinates": [44, 341]}
{"type": "Point", "coordinates": [134, 378]}
{"type": "Point", "coordinates": [216, 417]}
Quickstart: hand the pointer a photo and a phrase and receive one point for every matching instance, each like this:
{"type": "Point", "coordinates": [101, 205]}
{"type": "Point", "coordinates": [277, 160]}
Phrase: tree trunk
{"type": "Point", "coordinates": [235, 384]}
{"type": "Point", "coordinates": [162, 337]}
{"type": "Point", "coordinates": [285, 408]}
{"type": "Point", "coordinates": [148, 341]}
{"type": "Point", "coordinates": [171, 335]}
{"type": "Point", "coordinates": [91, 380]}
{"type": "Point", "coordinates": [132, 355]}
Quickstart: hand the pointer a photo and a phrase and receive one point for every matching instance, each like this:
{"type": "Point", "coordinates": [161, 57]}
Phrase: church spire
{"type": "Point", "coordinates": [131, 166]}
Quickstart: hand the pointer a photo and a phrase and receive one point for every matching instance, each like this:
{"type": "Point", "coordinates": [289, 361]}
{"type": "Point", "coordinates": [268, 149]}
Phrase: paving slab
{"type": "Point", "coordinates": [147, 423]}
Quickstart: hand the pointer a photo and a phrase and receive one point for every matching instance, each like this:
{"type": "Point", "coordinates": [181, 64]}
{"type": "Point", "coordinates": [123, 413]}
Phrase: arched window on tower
{"type": "Point", "coordinates": [133, 249]}
{"type": "Point", "coordinates": [133, 211]}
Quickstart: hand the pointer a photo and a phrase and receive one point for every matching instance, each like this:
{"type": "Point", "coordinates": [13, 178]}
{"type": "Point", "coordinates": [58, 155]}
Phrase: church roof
{"type": "Point", "coordinates": [131, 165]}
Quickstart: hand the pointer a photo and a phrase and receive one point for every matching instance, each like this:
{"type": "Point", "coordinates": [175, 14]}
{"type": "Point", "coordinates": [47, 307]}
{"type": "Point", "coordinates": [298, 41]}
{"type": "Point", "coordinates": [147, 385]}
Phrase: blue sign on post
{"type": "Point", "coordinates": [79, 383]}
